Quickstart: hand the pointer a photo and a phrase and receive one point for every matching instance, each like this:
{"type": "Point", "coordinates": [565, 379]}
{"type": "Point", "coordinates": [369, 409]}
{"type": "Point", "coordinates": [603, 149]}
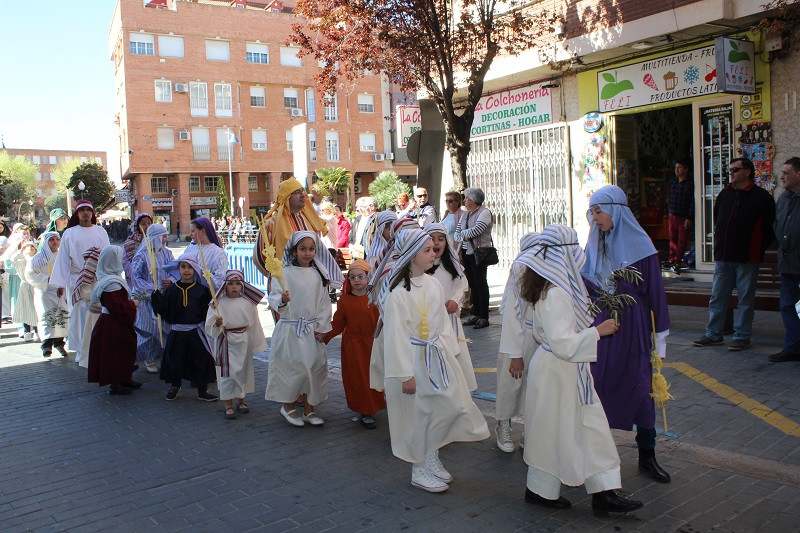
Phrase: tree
{"type": "Point", "coordinates": [223, 202]}
{"type": "Point", "coordinates": [18, 184]}
{"type": "Point", "coordinates": [54, 201]}
{"type": "Point", "coordinates": [98, 189]}
{"type": "Point", "coordinates": [386, 187]}
{"type": "Point", "coordinates": [334, 179]}
{"type": "Point", "coordinates": [63, 171]}
{"type": "Point", "coordinates": [439, 46]}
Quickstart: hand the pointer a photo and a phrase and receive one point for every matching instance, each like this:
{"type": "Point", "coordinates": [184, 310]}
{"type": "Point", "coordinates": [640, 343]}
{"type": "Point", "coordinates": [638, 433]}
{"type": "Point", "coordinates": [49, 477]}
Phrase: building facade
{"type": "Point", "coordinates": [191, 76]}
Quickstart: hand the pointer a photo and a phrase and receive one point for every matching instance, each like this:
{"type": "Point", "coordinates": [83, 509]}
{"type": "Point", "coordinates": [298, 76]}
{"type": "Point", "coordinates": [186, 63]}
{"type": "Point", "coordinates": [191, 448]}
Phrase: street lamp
{"type": "Point", "coordinates": [81, 187]}
{"type": "Point", "coordinates": [30, 207]}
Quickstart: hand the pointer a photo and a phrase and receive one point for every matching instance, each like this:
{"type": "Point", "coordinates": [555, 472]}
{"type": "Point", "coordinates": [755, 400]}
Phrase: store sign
{"type": "Point", "coordinates": [121, 195]}
{"type": "Point", "coordinates": [665, 79]}
{"type": "Point", "coordinates": [408, 120]}
{"type": "Point", "coordinates": [203, 200]}
{"type": "Point", "coordinates": [512, 110]}
{"type": "Point", "coordinates": [736, 59]}
{"type": "Point", "coordinates": [162, 202]}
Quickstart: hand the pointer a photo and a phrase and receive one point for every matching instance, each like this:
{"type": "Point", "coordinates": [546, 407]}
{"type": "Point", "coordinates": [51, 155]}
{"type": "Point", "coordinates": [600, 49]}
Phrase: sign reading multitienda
{"type": "Point", "coordinates": [408, 120]}
{"type": "Point", "coordinates": [736, 60]}
{"type": "Point", "coordinates": [512, 110]}
{"type": "Point", "coordinates": [664, 79]}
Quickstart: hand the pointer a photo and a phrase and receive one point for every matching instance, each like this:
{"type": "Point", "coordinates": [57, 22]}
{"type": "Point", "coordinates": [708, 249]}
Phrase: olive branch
{"type": "Point", "coordinates": [615, 303]}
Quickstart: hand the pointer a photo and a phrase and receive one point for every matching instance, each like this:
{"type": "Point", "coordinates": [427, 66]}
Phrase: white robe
{"type": "Point", "coordinates": [216, 261]}
{"type": "Point", "coordinates": [45, 298]}
{"type": "Point", "coordinates": [563, 438]}
{"type": "Point", "coordinates": [454, 289]}
{"type": "Point", "coordinates": [66, 269]}
{"type": "Point", "coordinates": [421, 423]}
{"type": "Point", "coordinates": [236, 313]}
{"type": "Point", "coordinates": [24, 311]}
{"type": "Point", "coordinates": [299, 364]}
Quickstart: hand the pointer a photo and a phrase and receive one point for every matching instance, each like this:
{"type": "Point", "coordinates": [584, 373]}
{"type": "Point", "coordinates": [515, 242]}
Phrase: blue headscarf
{"type": "Point", "coordinates": [625, 244]}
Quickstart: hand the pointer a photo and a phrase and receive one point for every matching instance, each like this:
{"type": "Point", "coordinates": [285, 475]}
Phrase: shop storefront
{"type": "Point", "coordinates": [640, 117]}
{"type": "Point", "coordinates": [202, 206]}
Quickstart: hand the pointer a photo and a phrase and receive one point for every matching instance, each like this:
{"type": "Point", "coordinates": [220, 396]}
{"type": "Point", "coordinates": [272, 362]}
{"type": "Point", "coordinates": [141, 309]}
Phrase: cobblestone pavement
{"type": "Point", "coordinates": [74, 458]}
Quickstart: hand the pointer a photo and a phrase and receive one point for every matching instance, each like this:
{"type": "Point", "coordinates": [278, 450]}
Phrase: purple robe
{"type": "Point", "coordinates": [623, 375]}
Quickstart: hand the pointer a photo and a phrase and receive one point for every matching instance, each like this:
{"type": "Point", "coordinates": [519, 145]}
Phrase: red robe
{"type": "Point", "coordinates": [112, 351]}
{"type": "Point", "coordinates": [357, 319]}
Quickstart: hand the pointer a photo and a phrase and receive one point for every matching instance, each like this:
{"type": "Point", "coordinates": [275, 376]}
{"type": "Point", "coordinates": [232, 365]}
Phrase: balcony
{"type": "Point", "coordinates": [201, 152]}
{"type": "Point", "coordinates": [223, 154]}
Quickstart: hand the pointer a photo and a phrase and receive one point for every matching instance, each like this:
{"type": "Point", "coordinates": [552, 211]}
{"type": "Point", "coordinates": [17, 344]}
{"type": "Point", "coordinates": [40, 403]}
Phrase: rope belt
{"type": "Point", "coordinates": [302, 325]}
{"type": "Point", "coordinates": [222, 358]}
{"type": "Point", "coordinates": [432, 347]}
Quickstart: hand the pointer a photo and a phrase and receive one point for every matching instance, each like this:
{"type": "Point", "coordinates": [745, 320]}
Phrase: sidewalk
{"type": "Point", "coordinates": [74, 458]}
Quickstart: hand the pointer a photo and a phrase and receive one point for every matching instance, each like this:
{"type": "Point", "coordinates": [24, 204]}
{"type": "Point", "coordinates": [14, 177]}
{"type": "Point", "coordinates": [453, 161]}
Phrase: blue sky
{"type": "Point", "coordinates": [57, 82]}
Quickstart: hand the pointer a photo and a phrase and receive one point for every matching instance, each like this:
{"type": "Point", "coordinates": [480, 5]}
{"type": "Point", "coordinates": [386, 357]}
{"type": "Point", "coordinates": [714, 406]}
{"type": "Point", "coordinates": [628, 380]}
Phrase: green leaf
{"type": "Point", "coordinates": [609, 77]}
{"type": "Point", "coordinates": [734, 45]}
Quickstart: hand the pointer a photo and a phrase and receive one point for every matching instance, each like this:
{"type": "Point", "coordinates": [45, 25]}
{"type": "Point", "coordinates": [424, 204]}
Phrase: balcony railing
{"type": "Point", "coordinates": [201, 152]}
{"type": "Point", "coordinates": [223, 154]}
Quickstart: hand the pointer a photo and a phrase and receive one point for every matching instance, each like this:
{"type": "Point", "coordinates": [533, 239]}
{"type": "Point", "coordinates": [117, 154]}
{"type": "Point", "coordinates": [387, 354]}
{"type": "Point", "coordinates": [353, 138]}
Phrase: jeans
{"type": "Point", "coordinates": [479, 285]}
{"type": "Point", "coordinates": [728, 274]}
{"type": "Point", "coordinates": [790, 293]}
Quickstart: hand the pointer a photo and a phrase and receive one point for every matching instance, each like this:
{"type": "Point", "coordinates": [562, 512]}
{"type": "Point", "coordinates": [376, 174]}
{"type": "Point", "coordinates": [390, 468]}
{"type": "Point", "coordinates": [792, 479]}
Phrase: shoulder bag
{"type": "Point", "coordinates": [486, 255]}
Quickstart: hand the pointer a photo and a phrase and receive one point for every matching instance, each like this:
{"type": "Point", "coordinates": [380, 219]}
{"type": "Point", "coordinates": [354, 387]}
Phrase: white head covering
{"type": "Point", "coordinates": [512, 285]}
{"type": "Point", "coordinates": [323, 259]}
{"type": "Point", "coordinates": [12, 246]}
{"type": "Point", "coordinates": [44, 256]}
{"type": "Point", "coordinates": [558, 258]}
{"type": "Point", "coordinates": [109, 273]}
{"type": "Point", "coordinates": [437, 227]}
{"type": "Point", "coordinates": [378, 247]}
{"type": "Point", "coordinates": [407, 244]}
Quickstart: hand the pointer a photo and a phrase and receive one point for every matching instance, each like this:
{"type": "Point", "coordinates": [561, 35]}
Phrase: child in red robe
{"type": "Point", "coordinates": [357, 318]}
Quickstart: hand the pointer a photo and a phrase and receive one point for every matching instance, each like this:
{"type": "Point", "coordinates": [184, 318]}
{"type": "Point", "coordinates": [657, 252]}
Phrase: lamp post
{"type": "Point", "coordinates": [30, 214]}
{"type": "Point", "coordinates": [81, 187]}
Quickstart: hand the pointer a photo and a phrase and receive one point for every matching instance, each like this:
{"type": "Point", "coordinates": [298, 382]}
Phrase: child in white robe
{"type": "Point", "coordinates": [24, 311]}
{"type": "Point", "coordinates": [568, 440]}
{"type": "Point", "coordinates": [427, 397]}
{"type": "Point", "coordinates": [449, 272]}
{"type": "Point", "coordinates": [298, 367]}
{"type": "Point", "coordinates": [50, 308]}
{"type": "Point", "coordinates": [235, 325]}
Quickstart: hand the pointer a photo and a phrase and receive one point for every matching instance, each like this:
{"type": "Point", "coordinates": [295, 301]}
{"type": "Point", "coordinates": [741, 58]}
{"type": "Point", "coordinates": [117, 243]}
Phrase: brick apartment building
{"type": "Point", "coordinates": [188, 72]}
{"type": "Point", "coordinates": [47, 160]}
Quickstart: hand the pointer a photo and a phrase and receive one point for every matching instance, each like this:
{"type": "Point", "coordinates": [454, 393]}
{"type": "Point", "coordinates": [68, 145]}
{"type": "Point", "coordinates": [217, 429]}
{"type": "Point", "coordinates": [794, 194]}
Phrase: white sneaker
{"type": "Point", "coordinates": [21, 333]}
{"type": "Point", "coordinates": [435, 467]}
{"type": "Point", "coordinates": [28, 337]}
{"type": "Point", "coordinates": [504, 441]}
{"type": "Point", "coordinates": [421, 478]}
{"type": "Point", "coordinates": [151, 367]}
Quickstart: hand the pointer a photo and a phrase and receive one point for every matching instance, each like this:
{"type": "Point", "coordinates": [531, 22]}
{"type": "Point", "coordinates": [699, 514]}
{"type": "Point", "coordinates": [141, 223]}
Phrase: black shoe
{"type": "Point", "coordinates": [481, 323]}
{"type": "Point", "coordinates": [609, 501]}
{"type": "Point", "coordinates": [172, 393]}
{"type": "Point", "coordinates": [650, 466]}
{"type": "Point", "coordinates": [470, 322]}
{"type": "Point", "coordinates": [560, 503]}
{"type": "Point", "coordinates": [738, 346]}
{"type": "Point", "coordinates": [706, 341]}
{"type": "Point", "coordinates": [119, 391]}
{"type": "Point", "coordinates": [206, 396]}
{"type": "Point", "coordinates": [132, 384]}
{"type": "Point", "coordinates": [135, 367]}
{"type": "Point", "coordinates": [780, 357]}
{"type": "Point", "coordinates": [62, 350]}
{"type": "Point", "coordinates": [366, 421]}
{"type": "Point", "coordinates": [47, 353]}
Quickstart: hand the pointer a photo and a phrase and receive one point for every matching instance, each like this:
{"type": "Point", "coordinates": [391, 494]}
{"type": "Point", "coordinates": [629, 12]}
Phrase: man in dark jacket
{"type": "Point", "coordinates": [743, 218]}
{"type": "Point", "coordinates": [787, 230]}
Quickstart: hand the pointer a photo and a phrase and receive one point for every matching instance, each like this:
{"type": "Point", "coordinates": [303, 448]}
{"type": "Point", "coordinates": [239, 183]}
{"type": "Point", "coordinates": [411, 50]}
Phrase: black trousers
{"type": "Point", "coordinates": [52, 343]}
{"type": "Point", "coordinates": [479, 285]}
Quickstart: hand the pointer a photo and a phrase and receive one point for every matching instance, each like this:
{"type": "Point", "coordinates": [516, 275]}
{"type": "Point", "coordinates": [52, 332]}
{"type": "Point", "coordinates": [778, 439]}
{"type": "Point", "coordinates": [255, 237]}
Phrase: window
{"type": "Point", "coordinates": [170, 46]}
{"type": "Point", "coordinates": [289, 140]}
{"type": "Point", "coordinates": [257, 53]}
{"type": "Point", "coordinates": [289, 56]}
{"type": "Point", "coordinates": [142, 44]}
{"type": "Point", "coordinates": [194, 184]}
{"type": "Point", "coordinates": [37, 159]}
{"type": "Point", "coordinates": [366, 103]}
{"type": "Point", "coordinates": [163, 90]}
{"type": "Point", "coordinates": [166, 138]}
{"type": "Point", "coordinates": [159, 185]}
{"type": "Point", "coordinates": [38, 176]}
{"type": "Point", "coordinates": [198, 97]}
{"type": "Point", "coordinates": [201, 146]}
{"type": "Point", "coordinates": [312, 113]}
{"type": "Point", "coordinates": [210, 183]}
{"type": "Point", "coordinates": [312, 146]}
{"type": "Point", "coordinates": [223, 100]}
{"type": "Point", "coordinates": [53, 160]}
{"type": "Point", "coordinates": [259, 139]}
{"type": "Point", "coordinates": [332, 145]}
{"type": "Point", "coordinates": [290, 99]}
{"type": "Point", "coordinates": [224, 148]}
{"type": "Point", "coordinates": [83, 160]}
{"type": "Point", "coordinates": [45, 176]}
{"type": "Point", "coordinates": [366, 142]}
{"type": "Point", "coordinates": [218, 50]}
{"type": "Point", "coordinates": [257, 97]}
{"type": "Point", "coordinates": [331, 109]}
{"type": "Point", "coordinates": [252, 183]}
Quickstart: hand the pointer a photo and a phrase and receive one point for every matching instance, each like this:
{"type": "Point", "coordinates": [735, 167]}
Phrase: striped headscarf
{"type": "Point", "coordinates": [323, 260]}
{"type": "Point", "coordinates": [437, 227]}
{"type": "Point", "coordinates": [155, 235]}
{"type": "Point", "coordinates": [109, 273]}
{"type": "Point", "coordinates": [558, 258]}
{"type": "Point", "coordinates": [44, 256]}
{"type": "Point", "coordinates": [131, 244]}
{"type": "Point", "coordinates": [379, 245]}
{"type": "Point", "coordinates": [512, 285]}
{"type": "Point", "coordinates": [248, 291]}
{"type": "Point", "coordinates": [407, 244]}
{"type": "Point", "coordinates": [88, 274]}
{"type": "Point", "coordinates": [389, 257]}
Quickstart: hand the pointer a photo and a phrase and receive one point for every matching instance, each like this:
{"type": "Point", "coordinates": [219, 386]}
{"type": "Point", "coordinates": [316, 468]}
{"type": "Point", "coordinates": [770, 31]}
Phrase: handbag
{"type": "Point", "coordinates": [487, 255]}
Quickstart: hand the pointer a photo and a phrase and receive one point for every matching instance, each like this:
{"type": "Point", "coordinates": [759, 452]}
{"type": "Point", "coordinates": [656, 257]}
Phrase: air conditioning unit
{"type": "Point", "coordinates": [297, 112]}
{"type": "Point", "coordinates": [389, 156]}
{"type": "Point", "coordinates": [181, 87]}
{"type": "Point", "coordinates": [183, 135]}
{"type": "Point", "coordinates": [174, 193]}
{"type": "Point", "coordinates": [377, 157]}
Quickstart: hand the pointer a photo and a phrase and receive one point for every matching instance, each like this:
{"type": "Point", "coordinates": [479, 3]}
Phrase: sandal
{"type": "Point", "coordinates": [367, 421]}
{"type": "Point", "coordinates": [242, 408]}
{"type": "Point", "coordinates": [230, 415]}
{"type": "Point", "coordinates": [313, 419]}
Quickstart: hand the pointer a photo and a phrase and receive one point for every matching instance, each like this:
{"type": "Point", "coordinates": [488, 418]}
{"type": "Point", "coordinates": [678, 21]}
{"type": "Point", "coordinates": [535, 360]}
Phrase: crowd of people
{"type": "Point", "coordinates": [573, 366]}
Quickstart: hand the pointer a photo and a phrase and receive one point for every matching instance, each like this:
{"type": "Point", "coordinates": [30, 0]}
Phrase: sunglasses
{"type": "Point", "coordinates": [358, 277]}
{"type": "Point", "coordinates": [734, 170]}
{"type": "Point", "coordinates": [422, 196]}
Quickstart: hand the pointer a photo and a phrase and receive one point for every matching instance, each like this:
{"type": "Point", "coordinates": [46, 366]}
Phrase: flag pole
{"type": "Point", "coordinates": [230, 169]}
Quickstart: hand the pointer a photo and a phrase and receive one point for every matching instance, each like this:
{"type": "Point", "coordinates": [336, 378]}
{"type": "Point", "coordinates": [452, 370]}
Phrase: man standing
{"type": "Point", "coordinates": [425, 213]}
{"type": "Point", "coordinates": [70, 272]}
{"type": "Point", "coordinates": [743, 218]}
{"type": "Point", "coordinates": [681, 213]}
{"type": "Point", "coordinates": [364, 228]}
{"type": "Point", "coordinates": [787, 230]}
